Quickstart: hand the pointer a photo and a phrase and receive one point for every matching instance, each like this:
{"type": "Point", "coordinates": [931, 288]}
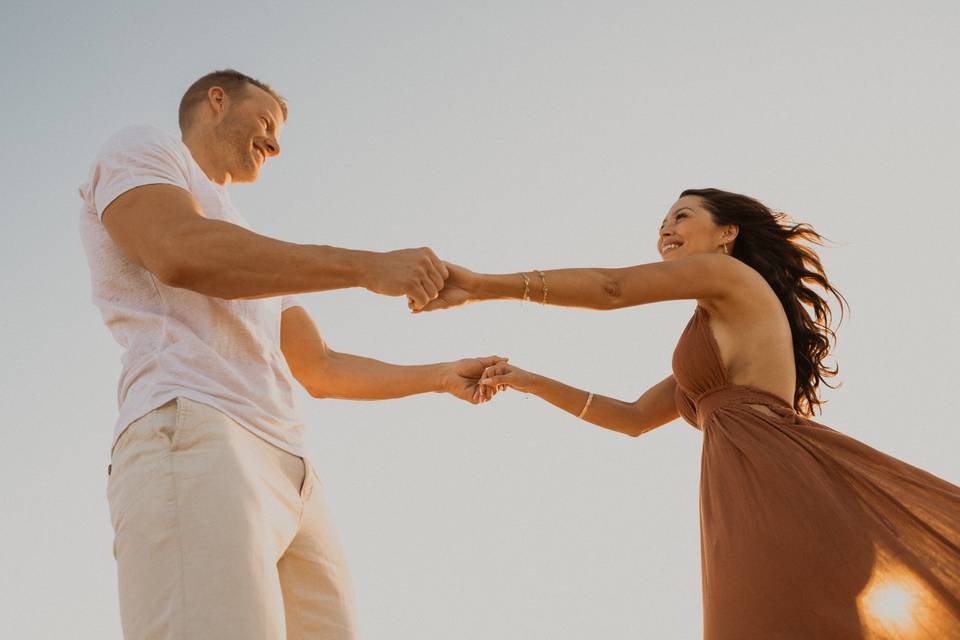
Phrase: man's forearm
{"type": "Point", "coordinates": [351, 377]}
{"type": "Point", "coordinates": [224, 260]}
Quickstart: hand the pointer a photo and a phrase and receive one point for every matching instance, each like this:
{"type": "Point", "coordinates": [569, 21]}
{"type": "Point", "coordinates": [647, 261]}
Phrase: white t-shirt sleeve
{"type": "Point", "coordinates": [134, 157]}
{"type": "Point", "coordinates": [289, 301]}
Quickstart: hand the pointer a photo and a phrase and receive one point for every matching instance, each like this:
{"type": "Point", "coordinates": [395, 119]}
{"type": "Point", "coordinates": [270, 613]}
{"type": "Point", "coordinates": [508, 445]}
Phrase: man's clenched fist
{"type": "Point", "coordinates": [416, 273]}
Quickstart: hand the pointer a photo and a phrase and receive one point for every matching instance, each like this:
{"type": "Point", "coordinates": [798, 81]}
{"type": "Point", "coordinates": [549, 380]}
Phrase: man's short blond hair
{"type": "Point", "coordinates": [233, 83]}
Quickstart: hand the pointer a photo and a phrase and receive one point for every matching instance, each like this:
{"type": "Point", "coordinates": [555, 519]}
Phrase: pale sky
{"type": "Point", "coordinates": [506, 136]}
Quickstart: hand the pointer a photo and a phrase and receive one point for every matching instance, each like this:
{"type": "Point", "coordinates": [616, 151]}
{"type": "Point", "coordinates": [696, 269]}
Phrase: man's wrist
{"type": "Point", "coordinates": [363, 266]}
{"type": "Point", "coordinates": [441, 377]}
{"type": "Point", "coordinates": [350, 267]}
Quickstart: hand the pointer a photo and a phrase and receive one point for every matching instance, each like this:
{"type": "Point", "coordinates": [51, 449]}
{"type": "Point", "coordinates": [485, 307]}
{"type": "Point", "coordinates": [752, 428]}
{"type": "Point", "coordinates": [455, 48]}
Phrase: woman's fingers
{"type": "Point", "coordinates": [496, 381]}
{"type": "Point", "coordinates": [498, 369]}
{"type": "Point", "coordinates": [490, 361]}
{"type": "Point", "coordinates": [495, 378]}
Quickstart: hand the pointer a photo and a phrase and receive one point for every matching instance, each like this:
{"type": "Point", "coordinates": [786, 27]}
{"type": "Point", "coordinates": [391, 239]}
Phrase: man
{"type": "Point", "coordinates": [221, 529]}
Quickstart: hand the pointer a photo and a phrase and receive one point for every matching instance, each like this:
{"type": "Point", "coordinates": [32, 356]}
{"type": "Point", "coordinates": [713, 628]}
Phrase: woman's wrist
{"type": "Point", "coordinates": [507, 286]}
{"type": "Point", "coordinates": [534, 384]}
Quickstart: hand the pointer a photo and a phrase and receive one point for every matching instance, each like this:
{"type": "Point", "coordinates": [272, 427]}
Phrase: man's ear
{"type": "Point", "coordinates": [218, 101]}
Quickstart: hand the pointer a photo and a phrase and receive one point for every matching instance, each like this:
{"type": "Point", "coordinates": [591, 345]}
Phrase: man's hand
{"type": "Point", "coordinates": [416, 273]}
{"type": "Point", "coordinates": [463, 377]}
{"type": "Point", "coordinates": [458, 289]}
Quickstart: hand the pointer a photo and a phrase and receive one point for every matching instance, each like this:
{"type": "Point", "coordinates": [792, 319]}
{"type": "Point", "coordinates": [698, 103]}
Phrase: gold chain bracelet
{"type": "Point", "coordinates": [543, 286]}
{"type": "Point", "coordinates": [526, 287]}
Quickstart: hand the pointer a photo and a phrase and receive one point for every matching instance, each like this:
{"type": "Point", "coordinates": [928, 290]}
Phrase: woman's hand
{"type": "Point", "coordinates": [459, 288]}
{"type": "Point", "coordinates": [503, 374]}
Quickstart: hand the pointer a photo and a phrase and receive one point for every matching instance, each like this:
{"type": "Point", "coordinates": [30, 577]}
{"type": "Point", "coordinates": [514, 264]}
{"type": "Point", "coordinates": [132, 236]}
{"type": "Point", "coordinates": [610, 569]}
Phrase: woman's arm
{"type": "Point", "coordinates": [654, 408]}
{"type": "Point", "coordinates": [694, 277]}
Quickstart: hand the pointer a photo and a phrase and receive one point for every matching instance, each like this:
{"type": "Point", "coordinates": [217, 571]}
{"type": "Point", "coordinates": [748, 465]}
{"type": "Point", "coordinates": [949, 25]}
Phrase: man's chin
{"type": "Point", "coordinates": [245, 176]}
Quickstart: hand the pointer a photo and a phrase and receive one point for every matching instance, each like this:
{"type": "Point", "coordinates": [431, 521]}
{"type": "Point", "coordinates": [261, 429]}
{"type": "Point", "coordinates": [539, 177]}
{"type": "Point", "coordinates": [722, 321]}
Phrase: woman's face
{"type": "Point", "coordinates": [689, 229]}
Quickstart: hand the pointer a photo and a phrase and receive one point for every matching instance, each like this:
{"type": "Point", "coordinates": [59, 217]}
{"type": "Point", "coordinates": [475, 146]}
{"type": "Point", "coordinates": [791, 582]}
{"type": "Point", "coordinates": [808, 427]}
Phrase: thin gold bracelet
{"type": "Point", "coordinates": [526, 287]}
{"type": "Point", "coordinates": [583, 411]}
{"type": "Point", "coordinates": [543, 286]}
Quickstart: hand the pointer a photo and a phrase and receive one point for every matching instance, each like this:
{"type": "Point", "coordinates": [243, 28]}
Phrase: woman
{"type": "Point", "coordinates": [805, 532]}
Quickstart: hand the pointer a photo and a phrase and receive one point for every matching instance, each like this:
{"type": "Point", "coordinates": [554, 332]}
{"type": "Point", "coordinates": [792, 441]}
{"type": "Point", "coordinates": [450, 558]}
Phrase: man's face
{"type": "Point", "coordinates": [249, 133]}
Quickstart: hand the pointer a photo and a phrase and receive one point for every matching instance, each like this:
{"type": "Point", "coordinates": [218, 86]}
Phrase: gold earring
{"type": "Point", "coordinates": [725, 249]}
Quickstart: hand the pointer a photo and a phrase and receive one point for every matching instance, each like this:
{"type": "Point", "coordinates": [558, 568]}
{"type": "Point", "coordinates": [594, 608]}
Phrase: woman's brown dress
{"type": "Point", "coordinates": [806, 532]}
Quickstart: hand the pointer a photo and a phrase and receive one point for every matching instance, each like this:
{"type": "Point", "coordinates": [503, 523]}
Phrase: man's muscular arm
{"type": "Point", "coordinates": [161, 228]}
{"type": "Point", "coordinates": [325, 373]}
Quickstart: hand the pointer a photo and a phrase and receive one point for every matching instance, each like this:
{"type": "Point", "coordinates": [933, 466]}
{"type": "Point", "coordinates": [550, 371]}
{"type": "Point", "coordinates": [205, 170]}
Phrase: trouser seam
{"type": "Point", "coordinates": [176, 517]}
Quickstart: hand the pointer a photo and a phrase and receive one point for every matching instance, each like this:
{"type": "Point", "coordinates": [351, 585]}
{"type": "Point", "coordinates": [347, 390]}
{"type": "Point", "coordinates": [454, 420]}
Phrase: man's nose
{"type": "Point", "coordinates": [273, 147]}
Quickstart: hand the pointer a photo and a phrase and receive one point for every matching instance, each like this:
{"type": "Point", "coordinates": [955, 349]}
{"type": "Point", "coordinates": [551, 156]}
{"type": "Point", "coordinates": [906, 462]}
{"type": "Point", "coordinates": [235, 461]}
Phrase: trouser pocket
{"type": "Point", "coordinates": [138, 456]}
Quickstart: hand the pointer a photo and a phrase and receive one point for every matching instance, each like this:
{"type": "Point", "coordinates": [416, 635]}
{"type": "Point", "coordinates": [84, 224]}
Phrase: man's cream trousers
{"type": "Point", "coordinates": [219, 534]}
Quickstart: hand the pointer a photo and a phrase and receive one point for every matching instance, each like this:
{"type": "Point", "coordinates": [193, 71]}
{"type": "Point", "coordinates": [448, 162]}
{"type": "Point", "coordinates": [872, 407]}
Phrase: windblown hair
{"type": "Point", "coordinates": [770, 243]}
{"type": "Point", "coordinates": [233, 83]}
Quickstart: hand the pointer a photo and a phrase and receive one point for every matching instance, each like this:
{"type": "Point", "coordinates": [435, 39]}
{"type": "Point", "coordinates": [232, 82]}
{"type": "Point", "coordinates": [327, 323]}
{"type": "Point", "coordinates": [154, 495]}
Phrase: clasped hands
{"type": "Point", "coordinates": [478, 380]}
{"type": "Point", "coordinates": [430, 285]}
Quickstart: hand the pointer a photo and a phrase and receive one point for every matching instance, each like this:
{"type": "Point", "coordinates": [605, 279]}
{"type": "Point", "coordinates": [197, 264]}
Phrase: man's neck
{"type": "Point", "coordinates": [203, 151]}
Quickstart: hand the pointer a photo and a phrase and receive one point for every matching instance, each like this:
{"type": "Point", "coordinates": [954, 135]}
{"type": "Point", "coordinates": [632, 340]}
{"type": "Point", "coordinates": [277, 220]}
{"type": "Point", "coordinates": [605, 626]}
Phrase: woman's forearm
{"type": "Point", "coordinates": [605, 412]}
{"type": "Point", "coordinates": [587, 288]}
{"type": "Point", "coordinates": [710, 276]}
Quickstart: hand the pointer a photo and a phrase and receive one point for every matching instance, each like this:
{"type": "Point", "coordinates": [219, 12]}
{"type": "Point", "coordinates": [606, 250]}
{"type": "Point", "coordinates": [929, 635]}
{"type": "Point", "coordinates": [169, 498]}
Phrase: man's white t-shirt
{"type": "Point", "coordinates": [223, 353]}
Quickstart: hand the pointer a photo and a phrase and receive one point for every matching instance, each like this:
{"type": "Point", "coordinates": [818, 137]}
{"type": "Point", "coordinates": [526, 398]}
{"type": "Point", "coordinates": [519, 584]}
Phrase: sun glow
{"type": "Point", "coordinates": [894, 604]}
{"type": "Point", "coordinates": [891, 604]}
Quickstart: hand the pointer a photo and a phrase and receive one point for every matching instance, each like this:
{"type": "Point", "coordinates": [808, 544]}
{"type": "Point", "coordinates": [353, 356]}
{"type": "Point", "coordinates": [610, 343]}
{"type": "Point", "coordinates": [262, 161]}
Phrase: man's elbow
{"type": "Point", "coordinates": [193, 276]}
{"type": "Point", "coordinates": [172, 274]}
{"type": "Point", "coordinates": [312, 385]}
{"type": "Point", "coordinates": [316, 377]}
{"type": "Point", "coordinates": [317, 391]}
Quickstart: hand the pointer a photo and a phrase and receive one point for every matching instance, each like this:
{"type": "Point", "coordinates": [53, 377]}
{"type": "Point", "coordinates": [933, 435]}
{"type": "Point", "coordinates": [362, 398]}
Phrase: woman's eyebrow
{"type": "Point", "coordinates": [675, 213]}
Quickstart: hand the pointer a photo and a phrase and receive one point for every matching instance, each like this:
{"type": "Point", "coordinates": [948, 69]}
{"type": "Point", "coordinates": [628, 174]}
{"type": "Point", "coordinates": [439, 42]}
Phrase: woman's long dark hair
{"type": "Point", "coordinates": [770, 242]}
